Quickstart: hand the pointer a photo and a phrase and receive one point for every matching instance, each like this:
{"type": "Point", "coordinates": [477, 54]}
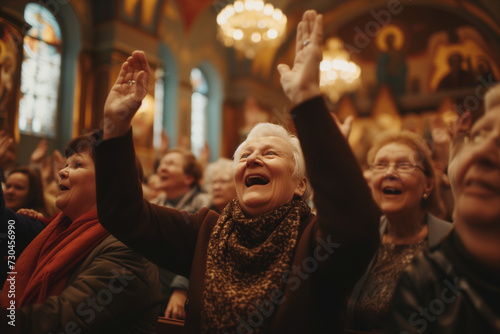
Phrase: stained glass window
{"type": "Point", "coordinates": [40, 73]}
{"type": "Point", "coordinates": [199, 102]}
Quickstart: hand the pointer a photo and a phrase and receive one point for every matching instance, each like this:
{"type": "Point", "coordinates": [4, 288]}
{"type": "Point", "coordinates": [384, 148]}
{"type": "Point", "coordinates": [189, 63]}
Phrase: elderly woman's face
{"type": "Point", "coordinates": [476, 174]}
{"type": "Point", "coordinates": [223, 189]}
{"type": "Point", "coordinates": [398, 192]}
{"type": "Point", "coordinates": [263, 175]}
{"type": "Point", "coordinates": [77, 194]}
{"type": "Point", "coordinates": [171, 172]}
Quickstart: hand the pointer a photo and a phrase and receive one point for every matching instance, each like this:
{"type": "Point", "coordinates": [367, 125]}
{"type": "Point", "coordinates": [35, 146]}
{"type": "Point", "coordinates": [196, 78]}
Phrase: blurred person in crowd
{"type": "Point", "coordinates": [219, 181]}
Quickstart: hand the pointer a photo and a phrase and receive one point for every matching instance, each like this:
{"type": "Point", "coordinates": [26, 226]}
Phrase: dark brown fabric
{"type": "Point", "coordinates": [246, 261]}
{"type": "Point", "coordinates": [391, 261]}
{"type": "Point", "coordinates": [347, 216]}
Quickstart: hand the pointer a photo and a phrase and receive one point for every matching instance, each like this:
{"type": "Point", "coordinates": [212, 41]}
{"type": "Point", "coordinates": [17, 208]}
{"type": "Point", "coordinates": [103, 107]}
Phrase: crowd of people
{"type": "Point", "coordinates": [242, 246]}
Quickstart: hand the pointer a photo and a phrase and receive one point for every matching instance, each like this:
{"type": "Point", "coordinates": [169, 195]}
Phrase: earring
{"type": "Point", "coordinates": [425, 196]}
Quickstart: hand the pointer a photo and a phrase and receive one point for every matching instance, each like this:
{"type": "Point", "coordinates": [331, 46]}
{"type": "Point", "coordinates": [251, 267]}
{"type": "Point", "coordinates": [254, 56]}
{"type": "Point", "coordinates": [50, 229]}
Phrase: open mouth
{"type": "Point", "coordinates": [62, 188]}
{"type": "Point", "coordinates": [391, 191]}
{"type": "Point", "coordinates": [256, 180]}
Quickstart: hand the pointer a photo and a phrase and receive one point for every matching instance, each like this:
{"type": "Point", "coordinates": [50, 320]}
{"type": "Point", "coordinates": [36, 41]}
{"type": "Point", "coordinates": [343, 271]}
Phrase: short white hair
{"type": "Point", "coordinates": [220, 165]}
{"type": "Point", "coordinates": [274, 130]}
{"type": "Point", "coordinates": [492, 98]}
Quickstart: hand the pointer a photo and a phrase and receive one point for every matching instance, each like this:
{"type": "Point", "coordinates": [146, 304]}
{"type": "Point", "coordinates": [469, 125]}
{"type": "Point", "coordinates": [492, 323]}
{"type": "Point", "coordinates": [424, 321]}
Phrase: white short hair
{"type": "Point", "coordinates": [274, 130]}
{"type": "Point", "coordinates": [220, 165]}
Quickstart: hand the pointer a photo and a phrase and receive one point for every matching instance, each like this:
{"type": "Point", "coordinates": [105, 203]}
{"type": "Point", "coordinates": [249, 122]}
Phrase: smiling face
{"type": "Point", "coordinates": [174, 179]}
{"type": "Point", "coordinates": [77, 190]}
{"type": "Point", "coordinates": [476, 174]}
{"type": "Point", "coordinates": [398, 193]}
{"type": "Point", "coordinates": [16, 191]}
{"type": "Point", "coordinates": [223, 189]}
{"type": "Point", "coordinates": [264, 175]}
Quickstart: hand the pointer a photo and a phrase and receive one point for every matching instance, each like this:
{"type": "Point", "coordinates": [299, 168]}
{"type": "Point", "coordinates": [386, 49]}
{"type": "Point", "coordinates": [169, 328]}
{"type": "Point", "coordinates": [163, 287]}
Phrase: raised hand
{"type": "Point", "coordinates": [39, 152]}
{"type": "Point", "coordinates": [59, 162]}
{"type": "Point", "coordinates": [346, 127]}
{"type": "Point", "coordinates": [165, 144]}
{"type": "Point", "coordinates": [301, 82]}
{"type": "Point", "coordinates": [126, 96]}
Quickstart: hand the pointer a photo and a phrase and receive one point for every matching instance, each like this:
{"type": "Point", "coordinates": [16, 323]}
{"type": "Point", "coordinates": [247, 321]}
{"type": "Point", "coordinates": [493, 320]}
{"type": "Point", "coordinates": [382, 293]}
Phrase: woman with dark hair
{"type": "Point", "coordinates": [24, 190]}
{"type": "Point", "coordinates": [74, 274]}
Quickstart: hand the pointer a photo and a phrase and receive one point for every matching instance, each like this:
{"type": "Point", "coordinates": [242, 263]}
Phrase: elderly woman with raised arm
{"type": "Point", "coordinates": [265, 264]}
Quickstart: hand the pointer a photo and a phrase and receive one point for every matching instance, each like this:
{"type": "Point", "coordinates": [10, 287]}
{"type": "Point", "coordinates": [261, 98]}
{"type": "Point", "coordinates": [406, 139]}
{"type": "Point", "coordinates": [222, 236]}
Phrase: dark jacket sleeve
{"type": "Point", "coordinates": [16, 232]}
{"type": "Point", "coordinates": [115, 290]}
{"type": "Point", "coordinates": [165, 236]}
{"type": "Point", "coordinates": [347, 217]}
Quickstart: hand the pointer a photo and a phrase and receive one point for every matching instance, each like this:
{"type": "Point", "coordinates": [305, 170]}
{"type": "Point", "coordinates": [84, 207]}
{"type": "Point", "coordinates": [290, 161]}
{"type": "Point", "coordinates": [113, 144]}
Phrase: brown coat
{"type": "Point", "coordinates": [333, 251]}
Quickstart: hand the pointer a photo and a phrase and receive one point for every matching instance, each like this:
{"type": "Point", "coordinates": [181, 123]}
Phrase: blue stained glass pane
{"type": "Point", "coordinates": [40, 73]}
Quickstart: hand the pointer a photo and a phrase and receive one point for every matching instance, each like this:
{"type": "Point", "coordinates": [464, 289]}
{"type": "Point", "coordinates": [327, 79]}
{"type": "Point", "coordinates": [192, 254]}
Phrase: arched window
{"type": "Point", "coordinates": [40, 73]}
{"type": "Point", "coordinates": [199, 104]}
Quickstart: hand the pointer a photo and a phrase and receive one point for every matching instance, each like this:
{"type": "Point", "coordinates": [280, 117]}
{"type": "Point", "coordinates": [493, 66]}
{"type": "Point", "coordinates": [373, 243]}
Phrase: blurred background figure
{"type": "Point", "coordinates": [219, 181]}
{"type": "Point", "coordinates": [180, 174]}
{"type": "Point", "coordinates": [24, 189]}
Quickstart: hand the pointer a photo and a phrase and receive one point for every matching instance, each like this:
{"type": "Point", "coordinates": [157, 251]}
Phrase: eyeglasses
{"type": "Point", "coordinates": [400, 167]}
{"type": "Point", "coordinates": [221, 181]}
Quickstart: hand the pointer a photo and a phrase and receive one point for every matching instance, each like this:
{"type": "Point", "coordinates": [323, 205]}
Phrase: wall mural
{"type": "Point", "coordinates": [9, 61]}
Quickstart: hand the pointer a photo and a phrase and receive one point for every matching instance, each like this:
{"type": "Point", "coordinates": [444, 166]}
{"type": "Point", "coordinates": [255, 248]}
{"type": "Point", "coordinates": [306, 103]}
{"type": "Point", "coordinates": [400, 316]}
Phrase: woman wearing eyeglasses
{"type": "Point", "coordinates": [402, 181]}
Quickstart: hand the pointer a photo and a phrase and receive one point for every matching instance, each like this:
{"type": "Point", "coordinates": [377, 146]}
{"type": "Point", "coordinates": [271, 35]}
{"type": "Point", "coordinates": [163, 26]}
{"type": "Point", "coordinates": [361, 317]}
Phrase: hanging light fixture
{"type": "Point", "coordinates": [339, 74]}
{"type": "Point", "coordinates": [250, 25]}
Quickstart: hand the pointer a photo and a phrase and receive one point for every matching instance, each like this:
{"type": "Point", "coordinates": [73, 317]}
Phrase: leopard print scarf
{"type": "Point", "coordinates": [246, 260]}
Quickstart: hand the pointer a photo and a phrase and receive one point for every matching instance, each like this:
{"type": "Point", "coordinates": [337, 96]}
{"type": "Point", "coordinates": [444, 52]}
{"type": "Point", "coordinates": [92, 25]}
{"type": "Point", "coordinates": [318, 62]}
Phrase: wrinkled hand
{"type": "Point", "coordinates": [124, 99]}
{"type": "Point", "coordinates": [39, 152]}
{"type": "Point", "coordinates": [302, 81]}
{"type": "Point", "coordinates": [30, 213]}
{"type": "Point", "coordinates": [175, 307]}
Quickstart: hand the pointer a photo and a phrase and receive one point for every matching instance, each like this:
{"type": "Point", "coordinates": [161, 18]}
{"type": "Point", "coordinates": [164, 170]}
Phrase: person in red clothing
{"type": "Point", "coordinates": [265, 264]}
{"type": "Point", "coordinates": [74, 274]}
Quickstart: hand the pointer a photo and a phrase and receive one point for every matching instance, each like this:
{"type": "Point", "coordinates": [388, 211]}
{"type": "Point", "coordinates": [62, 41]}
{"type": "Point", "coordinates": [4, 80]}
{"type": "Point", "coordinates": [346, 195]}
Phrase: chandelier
{"type": "Point", "coordinates": [251, 25]}
{"type": "Point", "coordinates": [339, 74]}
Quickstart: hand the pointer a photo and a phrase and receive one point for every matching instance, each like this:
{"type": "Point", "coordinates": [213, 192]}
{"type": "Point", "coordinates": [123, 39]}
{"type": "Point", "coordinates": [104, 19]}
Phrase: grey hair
{"type": "Point", "coordinates": [492, 97]}
{"type": "Point", "coordinates": [220, 165]}
{"type": "Point", "coordinates": [274, 130]}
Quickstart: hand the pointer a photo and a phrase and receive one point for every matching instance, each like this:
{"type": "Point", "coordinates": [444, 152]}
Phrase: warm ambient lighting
{"type": "Point", "coordinates": [250, 25]}
{"type": "Point", "coordinates": [339, 74]}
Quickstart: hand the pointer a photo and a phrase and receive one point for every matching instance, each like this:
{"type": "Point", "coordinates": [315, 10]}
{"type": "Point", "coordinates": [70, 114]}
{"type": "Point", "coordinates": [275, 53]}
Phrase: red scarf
{"type": "Point", "coordinates": [46, 264]}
